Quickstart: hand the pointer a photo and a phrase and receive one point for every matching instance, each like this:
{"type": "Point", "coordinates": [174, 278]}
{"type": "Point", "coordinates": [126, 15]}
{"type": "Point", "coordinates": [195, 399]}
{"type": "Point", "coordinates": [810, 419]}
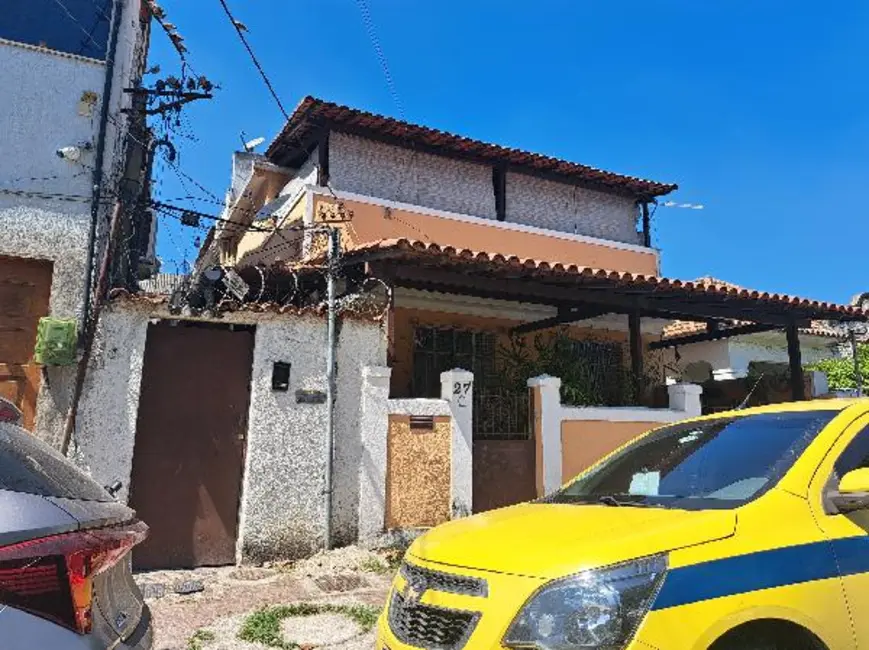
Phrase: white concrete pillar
{"type": "Point", "coordinates": [547, 432]}
{"type": "Point", "coordinates": [686, 398]}
{"type": "Point", "coordinates": [819, 383]}
{"type": "Point", "coordinates": [457, 387]}
{"type": "Point", "coordinates": [374, 425]}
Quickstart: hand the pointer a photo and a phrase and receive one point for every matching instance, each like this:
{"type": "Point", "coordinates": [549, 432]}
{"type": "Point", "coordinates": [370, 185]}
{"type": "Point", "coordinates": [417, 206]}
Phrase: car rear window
{"type": "Point", "coordinates": [29, 465]}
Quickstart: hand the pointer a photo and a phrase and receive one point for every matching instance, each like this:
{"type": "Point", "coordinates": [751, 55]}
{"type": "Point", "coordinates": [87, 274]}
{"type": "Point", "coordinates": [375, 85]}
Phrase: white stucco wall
{"type": "Point", "coordinates": [730, 358]}
{"type": "Point", "coordinates": [282, 511]}
{"type": "Point", "coordinates": [305, 175]}
{"type": "Point", "coordinates": [282, 507]}
{"type": "Point", "coordinates": [41, 113]}
{"type": "Point", "coordinates": [106, 423]}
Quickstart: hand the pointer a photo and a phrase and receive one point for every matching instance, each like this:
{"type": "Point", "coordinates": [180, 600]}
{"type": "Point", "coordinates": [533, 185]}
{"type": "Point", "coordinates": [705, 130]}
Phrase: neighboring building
{"type": "Point", "coordinates": [451, 250]}
{"type": "Point", "coordinates": [61, 65]}
{"type": "Point", "coordinates": [734, 357]}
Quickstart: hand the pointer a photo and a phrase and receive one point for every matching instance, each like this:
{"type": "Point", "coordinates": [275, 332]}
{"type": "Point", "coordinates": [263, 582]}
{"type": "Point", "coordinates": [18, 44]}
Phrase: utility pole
{"type": "Point", "coordinates": [332, 264]}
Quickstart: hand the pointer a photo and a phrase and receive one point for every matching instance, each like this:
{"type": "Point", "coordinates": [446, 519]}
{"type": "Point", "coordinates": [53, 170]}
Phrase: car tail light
{"type": "Point", "coordinates": [53, 576]}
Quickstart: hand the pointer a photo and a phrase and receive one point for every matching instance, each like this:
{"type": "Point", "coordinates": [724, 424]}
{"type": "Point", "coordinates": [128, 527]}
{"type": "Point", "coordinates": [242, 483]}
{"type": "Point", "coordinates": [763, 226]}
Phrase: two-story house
{"type": "Point", "coordinates": [64, 70]}
{"type": "Point", "coordinates": [467, 275]}
{"type": "Point", "coordinates": [395, 181]}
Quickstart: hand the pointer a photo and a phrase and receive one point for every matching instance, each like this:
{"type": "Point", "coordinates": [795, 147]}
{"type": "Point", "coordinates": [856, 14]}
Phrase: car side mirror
{"type": "Point", "coordinates": [853, 491]}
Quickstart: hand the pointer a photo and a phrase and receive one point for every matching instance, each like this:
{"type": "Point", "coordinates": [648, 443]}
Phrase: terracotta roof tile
{"type": "Point", "coordinates": [312, 114]}
{"type": "Point", "coordinates": [403, 247]}
{"type": "Point", "coordinates": [687, 327]}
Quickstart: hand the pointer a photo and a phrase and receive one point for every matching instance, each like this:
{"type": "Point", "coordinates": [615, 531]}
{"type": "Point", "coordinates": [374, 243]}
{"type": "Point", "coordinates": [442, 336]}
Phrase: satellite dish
{"type": "Point", "coordinates": [250, 145]}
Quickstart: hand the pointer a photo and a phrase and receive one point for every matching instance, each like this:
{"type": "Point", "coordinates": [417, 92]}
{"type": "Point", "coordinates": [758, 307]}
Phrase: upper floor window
{"type": "Point", "coordinates": [72, 26]}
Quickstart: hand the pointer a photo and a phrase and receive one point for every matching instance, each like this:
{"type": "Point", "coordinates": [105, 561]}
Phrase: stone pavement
{"type": "Point", "coordinates": [205, 609]}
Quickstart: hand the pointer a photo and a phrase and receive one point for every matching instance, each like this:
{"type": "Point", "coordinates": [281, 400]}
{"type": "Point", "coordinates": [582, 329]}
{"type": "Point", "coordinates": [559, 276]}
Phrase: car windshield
{"type": "Point", "coordinates": [721, 463]}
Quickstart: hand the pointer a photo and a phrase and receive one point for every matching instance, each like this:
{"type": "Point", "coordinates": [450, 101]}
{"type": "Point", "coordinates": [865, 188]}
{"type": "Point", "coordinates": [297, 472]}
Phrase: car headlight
{"type": "Point", "coordinates": [593, 609]}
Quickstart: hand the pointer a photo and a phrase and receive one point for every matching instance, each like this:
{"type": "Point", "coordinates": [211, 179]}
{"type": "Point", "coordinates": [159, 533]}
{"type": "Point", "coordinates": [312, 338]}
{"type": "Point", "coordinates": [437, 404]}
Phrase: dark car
{"type": "Point", "coordinates": [65, 573]}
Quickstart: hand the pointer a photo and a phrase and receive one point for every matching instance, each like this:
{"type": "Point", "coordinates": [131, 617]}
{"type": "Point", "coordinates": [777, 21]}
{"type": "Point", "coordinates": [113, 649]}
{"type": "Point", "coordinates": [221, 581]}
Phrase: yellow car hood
{"type": "Point", "coordinates": [552, 540]}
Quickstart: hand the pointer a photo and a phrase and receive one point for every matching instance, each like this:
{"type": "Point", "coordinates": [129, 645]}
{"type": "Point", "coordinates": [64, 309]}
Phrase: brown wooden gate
{"type": "Point", "coordinates": [25, 289]}
{"type": "Point", "coordinates": [189, 451]}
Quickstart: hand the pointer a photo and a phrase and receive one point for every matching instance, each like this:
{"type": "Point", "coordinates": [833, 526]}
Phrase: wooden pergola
{"type": "Point", "coordinates": [580, 293]}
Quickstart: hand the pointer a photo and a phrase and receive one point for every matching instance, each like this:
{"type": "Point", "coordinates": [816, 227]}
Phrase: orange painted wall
{"type": "Point", "coordinates": [583, 442]}
{"type": "Point", "coordinates": [372, 223]}
{"type": "Point", "coordinates": [418, 473]}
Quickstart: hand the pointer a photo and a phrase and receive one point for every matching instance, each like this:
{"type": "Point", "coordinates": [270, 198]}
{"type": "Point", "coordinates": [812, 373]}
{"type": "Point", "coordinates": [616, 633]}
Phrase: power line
{"type": "Point", "coordinates": [379, 53]}
{"type": "Point", "coordinates": [204, 215]}
{"type": "Point", "coordinates": [238, 29]}
{"type": "Point", "coordinates": [78, 24]}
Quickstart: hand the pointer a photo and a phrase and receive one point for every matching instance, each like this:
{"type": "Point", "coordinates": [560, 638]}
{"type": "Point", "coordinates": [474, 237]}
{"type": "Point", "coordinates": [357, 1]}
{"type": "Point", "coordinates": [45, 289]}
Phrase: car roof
{"type": "Point", "coordinates": [835, 404]}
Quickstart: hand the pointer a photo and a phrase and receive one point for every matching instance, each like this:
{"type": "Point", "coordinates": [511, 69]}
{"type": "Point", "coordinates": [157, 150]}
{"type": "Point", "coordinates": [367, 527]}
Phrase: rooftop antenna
{"type": "Point", "coordinates": [250, 145]}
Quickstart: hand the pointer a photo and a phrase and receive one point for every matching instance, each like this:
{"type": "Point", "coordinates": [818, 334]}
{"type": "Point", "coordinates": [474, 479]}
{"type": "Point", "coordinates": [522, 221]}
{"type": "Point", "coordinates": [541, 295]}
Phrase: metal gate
{"type": "Point", "coordinates": [189, 451]}
{"type": "Point", "coordinates": [504, 453]}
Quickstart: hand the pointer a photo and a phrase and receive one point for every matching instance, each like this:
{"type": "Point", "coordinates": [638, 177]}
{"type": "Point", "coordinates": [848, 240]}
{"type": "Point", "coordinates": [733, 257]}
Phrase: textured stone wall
{"type": "Point", "coordinates": [374, 169]}
{"type": "Point", "coordinates": [398, 174]}
{"type": "Point", "coordinates": [282, 498]}
{"type": "Point", "coordinates": [106, 424]}
{"type": "Point", "coordinates": [560, 206]}
{"type": "Point", "coordinates": [55, 231]}
{"type": "Point", "coordinates": [282, 509]}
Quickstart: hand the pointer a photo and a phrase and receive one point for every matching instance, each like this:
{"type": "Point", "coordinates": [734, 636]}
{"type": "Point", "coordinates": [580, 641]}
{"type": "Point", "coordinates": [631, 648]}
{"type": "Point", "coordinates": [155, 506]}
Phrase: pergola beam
{"type": "Point", "coordinates": [712, 335]}
{"type": "Point", "coordinates": [535, 292]}
{"type": "Point", "coordinates": [564, 317]}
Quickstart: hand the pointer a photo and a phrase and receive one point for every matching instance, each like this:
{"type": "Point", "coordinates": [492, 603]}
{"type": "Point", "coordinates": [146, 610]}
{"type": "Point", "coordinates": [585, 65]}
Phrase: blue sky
{"type": "Point", "coordinates": [757, 110]}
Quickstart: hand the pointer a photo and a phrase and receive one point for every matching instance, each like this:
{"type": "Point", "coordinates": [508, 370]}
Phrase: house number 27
{"type": "Point", "coordinates": [460, 391]}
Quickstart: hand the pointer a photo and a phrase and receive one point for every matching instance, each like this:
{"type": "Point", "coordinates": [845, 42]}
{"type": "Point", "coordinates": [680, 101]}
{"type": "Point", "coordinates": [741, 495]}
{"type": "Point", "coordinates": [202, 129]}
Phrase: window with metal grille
{"type": "Point", "coordinates": [437, 350]}
{"type": "Point", "coordinates": [595, 374]}
{"type": "Point", "coordinates": [499, 411]}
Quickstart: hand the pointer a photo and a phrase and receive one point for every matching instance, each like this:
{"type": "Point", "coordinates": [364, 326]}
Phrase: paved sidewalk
{"type": "Point", "coordinates": [205, 609]}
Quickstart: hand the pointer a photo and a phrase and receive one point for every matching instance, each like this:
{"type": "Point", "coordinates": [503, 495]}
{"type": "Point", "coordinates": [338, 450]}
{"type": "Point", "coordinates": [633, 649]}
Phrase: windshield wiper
{"type": "Point", "coordinates": [610, 500]}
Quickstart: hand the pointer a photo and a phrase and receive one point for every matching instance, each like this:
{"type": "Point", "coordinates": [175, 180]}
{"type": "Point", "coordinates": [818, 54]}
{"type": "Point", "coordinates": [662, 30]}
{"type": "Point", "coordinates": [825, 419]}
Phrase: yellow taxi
{"type": "Point", "coordinates": [746, 529]}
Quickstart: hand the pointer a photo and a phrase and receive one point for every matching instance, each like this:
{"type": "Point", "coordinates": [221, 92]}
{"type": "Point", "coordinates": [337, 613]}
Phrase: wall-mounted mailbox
{"type": "Point", "coordinates": [420, 423]}
{"type": "Point", "coordinates": [281, 376]}
{"type": "Point", "coordinates": [310, 396]}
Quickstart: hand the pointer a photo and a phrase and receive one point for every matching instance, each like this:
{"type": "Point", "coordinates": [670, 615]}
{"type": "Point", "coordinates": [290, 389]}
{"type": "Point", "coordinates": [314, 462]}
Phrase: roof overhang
{"type": "Point", "coordinates": [314, 117]}
{"type": "Point", "coordinates": [580, 292]}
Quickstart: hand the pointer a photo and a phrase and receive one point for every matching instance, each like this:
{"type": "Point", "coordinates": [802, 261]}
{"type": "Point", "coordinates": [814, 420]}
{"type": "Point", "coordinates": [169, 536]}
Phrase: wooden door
{"type": "Point", "coordinates": [25, 290]}
{"type": "Point", "coordinates": [189, 452]}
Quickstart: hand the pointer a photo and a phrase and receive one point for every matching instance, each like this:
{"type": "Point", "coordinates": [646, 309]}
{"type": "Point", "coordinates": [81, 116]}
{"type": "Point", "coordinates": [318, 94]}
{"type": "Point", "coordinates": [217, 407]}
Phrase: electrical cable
{"type": "Point", "coordinates": [237, 25]}
{"type": "Point", "coordinates": [379, 53]}
{"type": "Point", "coordinates": [79, 25]}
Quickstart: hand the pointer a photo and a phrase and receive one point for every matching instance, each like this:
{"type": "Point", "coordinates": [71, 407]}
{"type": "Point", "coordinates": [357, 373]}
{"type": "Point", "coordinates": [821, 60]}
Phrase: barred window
{"type": "Point", "coordinates": [437, 350]}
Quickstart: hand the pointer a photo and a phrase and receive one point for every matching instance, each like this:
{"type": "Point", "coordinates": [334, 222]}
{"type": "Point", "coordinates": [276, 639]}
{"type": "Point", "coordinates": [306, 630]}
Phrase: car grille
{"type": "Point", "coordinates": [432, 628]}
{"type": "Point", "coordinates": [447, 582]}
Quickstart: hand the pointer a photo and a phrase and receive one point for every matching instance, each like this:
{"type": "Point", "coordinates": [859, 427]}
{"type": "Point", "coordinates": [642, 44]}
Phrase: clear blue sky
{"type": "Point", "coordinates": [756, 109]}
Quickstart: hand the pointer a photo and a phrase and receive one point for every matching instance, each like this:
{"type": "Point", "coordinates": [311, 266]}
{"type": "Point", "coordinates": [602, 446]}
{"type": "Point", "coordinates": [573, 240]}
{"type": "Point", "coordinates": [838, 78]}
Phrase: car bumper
{"type": "Point", "coordinates": [386, 640]}
{"type": "Point", "coordinates": [490, 615]}
{"type": "Point", "coordinates": [21, 630]}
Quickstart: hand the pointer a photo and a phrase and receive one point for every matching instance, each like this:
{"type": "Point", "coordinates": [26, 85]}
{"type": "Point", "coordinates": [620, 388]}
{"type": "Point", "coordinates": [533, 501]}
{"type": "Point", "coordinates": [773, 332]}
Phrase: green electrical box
{"type": "Point", "coordinates": [56, 341]}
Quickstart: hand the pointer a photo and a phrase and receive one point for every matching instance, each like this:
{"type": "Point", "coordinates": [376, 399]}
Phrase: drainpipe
{"type": "Point", "coordinates": [97, 178]}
